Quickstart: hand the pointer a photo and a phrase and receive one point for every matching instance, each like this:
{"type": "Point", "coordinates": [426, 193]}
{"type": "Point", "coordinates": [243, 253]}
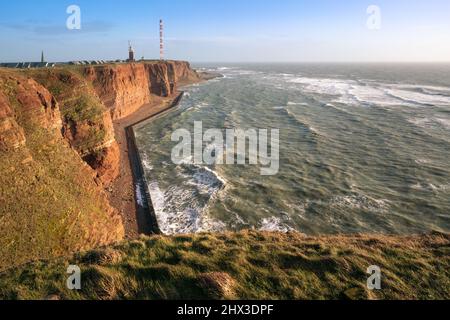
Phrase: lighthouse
{"type": "Point", "coordinates": [130, 52]}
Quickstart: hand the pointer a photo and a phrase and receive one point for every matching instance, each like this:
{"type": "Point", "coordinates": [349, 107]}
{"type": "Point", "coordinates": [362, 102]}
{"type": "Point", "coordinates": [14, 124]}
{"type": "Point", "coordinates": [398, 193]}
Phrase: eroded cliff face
{"type": "Point", "coordinates": [51, 202]}
{"type": "Point", "coordinates": [122, 88]}
{"type": "Point", "coordinates": [125, 88]}
{"type": "Point", "coordinates": [87, 123]}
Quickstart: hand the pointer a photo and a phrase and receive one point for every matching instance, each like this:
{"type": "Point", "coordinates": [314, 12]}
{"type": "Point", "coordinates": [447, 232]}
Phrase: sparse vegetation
{"type": "Point", "coordinates": [245, 265]}
{"type": "Point", "coordinates": [80, 106]}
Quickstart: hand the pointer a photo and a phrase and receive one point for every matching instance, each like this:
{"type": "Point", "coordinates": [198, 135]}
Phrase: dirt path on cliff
{"type": "Point", "coordinates": [122, 191]}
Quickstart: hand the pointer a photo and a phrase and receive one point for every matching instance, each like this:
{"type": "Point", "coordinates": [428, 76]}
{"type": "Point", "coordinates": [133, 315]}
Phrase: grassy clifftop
{"type": "Point", "coordinates": [246, 265]}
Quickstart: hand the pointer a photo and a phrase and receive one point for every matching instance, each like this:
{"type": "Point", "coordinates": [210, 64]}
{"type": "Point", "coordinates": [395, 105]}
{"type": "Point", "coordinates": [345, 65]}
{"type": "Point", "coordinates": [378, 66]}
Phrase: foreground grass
{"type": "Point", "coordinates": [246, 265]}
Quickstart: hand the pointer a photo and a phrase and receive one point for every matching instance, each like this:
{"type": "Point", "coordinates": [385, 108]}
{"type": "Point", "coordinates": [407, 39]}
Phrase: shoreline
{"type": "Point", "coordinates": [139, 218]}
{"type": "Point", "coordinates": [136, 209]}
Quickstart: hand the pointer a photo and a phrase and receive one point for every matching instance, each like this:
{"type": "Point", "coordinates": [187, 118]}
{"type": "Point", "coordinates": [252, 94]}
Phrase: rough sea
{"type": "Point", "coordinates": [363, 148]}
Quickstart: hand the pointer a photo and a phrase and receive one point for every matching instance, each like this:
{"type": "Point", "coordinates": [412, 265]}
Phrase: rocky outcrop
{"type": "Point", "coordinates": [127, 87]}
{"type": "Point", "coordinates": [12, 135]}
{"type": "Point", "coordinates": [38, 104]}
{"type": "Point", "coordinates": [183, 73]}
{"type": "Point", "coordinates": [122, 88]}
{"type": "Point", "coordinates": [106, 162]}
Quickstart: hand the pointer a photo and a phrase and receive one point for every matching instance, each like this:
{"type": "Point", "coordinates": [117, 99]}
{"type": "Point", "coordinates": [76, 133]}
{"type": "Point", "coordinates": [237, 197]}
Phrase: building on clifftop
{"type": "Point", "coordinates": [130, 52]}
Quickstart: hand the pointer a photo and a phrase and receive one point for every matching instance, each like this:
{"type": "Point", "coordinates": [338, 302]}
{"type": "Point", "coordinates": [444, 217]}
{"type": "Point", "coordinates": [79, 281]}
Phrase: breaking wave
{"type": "Point", "coordinates": [183, 208]}
{"type": "Point", "coordinates": [274, 224]}
{"type": "Point", "coordinates": [357, 93]}
{"type": "Point", "coordinates": [178, 210]}
{"type": "Point", "coordinates": [360, 201]}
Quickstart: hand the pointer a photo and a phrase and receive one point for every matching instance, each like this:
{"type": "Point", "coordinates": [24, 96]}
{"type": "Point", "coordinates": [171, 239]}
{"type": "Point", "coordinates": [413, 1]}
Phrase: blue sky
{"type": "Point", "coordinates": [228, 30]}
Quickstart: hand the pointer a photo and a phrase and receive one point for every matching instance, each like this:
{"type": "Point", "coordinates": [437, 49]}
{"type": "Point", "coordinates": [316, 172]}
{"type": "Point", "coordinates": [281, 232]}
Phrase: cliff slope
{"type": "Point", "coordinates": [50, 202]}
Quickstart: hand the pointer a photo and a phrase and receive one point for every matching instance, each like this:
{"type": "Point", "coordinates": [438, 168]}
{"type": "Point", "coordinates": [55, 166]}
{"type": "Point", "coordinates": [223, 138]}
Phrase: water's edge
{"type": "Point", "coordinates": [145, 214]}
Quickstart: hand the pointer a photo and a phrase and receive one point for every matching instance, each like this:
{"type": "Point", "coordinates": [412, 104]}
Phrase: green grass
{"type": "Point", "coordinates": [245, 265]}
{"type": "Point", "coordinates": [84, 108]}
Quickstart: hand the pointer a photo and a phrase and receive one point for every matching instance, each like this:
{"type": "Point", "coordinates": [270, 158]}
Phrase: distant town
{"type": "Point", "coordinates": [45, 64]}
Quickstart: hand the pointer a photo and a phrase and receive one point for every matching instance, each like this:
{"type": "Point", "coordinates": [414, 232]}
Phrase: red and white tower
{"type": "Point", "coordinates": [161, 40]}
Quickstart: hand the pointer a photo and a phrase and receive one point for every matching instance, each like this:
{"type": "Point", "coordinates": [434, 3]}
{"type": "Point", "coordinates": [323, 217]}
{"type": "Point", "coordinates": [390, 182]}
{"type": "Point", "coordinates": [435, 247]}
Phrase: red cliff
{"type": "Point", "coordinates": [51, 201]}
{"type": "Point", "coordinates": [125, 88]}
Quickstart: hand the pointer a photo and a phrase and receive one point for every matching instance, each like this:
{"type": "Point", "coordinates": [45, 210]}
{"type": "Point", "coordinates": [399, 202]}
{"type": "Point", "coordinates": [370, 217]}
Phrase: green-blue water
{"type": "Point", "coordinates": [363, 148]}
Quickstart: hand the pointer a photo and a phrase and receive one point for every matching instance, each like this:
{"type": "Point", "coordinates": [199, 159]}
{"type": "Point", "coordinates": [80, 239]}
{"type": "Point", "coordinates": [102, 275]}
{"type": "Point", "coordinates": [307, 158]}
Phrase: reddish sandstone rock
{"type": "Point", "coordinates": [122, 88]}
{"type": "Point", "coordinates": [183, 73]}
{"type": "Point", "coordinates": [39, 104]}
{"type": "Point", "coordinates": [125, 88]}
{"type": "Point", "coordinates": [11, 134]}
{"type": "Point", "coordinates": [87, 123]}
{"type": "Point", "coordinates": [39, 107]}
{"type": "Point", "coordinates": [106, 162]}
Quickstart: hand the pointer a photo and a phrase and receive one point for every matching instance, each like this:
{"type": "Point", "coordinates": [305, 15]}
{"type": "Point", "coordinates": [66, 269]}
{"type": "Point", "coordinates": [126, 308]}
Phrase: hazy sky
{"type": "Point", "coordinates": [228, 30]}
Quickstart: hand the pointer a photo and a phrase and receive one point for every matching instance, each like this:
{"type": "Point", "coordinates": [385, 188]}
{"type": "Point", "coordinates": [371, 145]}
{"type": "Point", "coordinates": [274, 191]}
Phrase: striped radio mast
{"type": "Point", "coordinates": [161, 40]}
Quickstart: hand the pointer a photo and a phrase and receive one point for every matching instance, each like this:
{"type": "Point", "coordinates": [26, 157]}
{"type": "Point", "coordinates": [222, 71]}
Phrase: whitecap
{"type": "Point", "coordinates": [140, 198]}
{"type": "Point", "coordinates": [218, 176]}
{"type": "Point", "coordinates": [420, 98]}
{"type": "Point", "coordinates": [292, 103]}
{"type": "Point", "coordinates": [175, 218]}
{"type": "Point", "coordinates": [360, 201]}
{"type": "Point", "coordinates": [274, 224]}
{"type": "Point", "coordinates": [444, 122]}
{"type": "Point", "coordinates": [426, 186]}
{"type": "Point", "coordinates": [353, 92]}
{"type": "Point", "coordinates": [428, 122]}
